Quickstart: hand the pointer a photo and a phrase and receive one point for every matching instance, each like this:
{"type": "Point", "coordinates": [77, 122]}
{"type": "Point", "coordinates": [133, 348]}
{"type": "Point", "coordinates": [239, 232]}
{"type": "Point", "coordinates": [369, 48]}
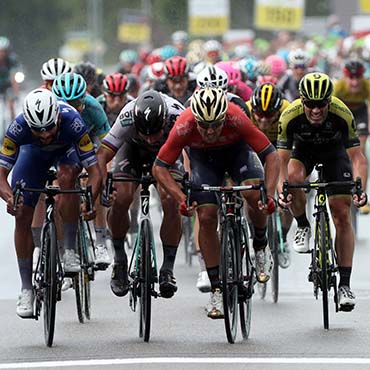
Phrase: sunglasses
{"type": "Point", "coordinates": [116, 95]}
{"type": "Point", "coordinates": [213, 125]}
{"type": "Point", "coordinates": [311, 104]}
{"type": "Point", "coordinates": [43, 129]}
{"type": "Point", "coordinates": [178, 79]}
{"type": "Point", "coordinates": [264, 114]}
{"type": "Point", "coordinates": [299, 66]}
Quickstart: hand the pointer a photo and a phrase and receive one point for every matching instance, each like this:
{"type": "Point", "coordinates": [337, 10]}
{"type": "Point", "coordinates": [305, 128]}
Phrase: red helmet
{"type": "Point", "coordinates": [176, 67]}
{"type": "Point", "coordinates": [116, 84]}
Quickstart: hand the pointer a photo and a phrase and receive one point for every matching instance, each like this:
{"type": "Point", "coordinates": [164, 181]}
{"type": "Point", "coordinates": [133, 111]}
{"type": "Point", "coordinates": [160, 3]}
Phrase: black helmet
{"type": "Point", "coordinates": [149, 112]}
{"type": "Point", "coordinates": [353, 68]}
{"type": "Point", "coordinates": [266, 98]}
{"type": "Point", "coordinates": [87, 70]}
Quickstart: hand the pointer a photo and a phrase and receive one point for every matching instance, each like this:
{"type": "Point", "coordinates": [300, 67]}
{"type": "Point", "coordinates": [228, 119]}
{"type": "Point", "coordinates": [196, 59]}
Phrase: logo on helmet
{"type": "Point", "coordinates": [147, 113]}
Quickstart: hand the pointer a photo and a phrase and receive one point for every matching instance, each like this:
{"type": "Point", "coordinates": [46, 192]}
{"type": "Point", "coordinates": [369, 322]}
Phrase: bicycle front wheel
{"type": "Point", "coordinates": [229, 276]}
{"type": "Point", "coordinates": [321, 246]}
{"type": "Point", "coordinates": [50, 282]}
{"type": "Point", "coordinates": [146, 281]}
{"type": "Point", "coordinates": [247, 273]}
{"type": "Point", "coordinates": [273, 240]}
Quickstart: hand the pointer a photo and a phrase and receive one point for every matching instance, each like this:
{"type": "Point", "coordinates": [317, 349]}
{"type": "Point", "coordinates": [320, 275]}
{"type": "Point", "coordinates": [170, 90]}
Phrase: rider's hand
{"type": "Point", "coordinates": [360, 202]}
{"type": "Point", "coordinates": [10, 204]}
{"type": "Point", "coordinates": [187, 211]}
{"type": "Point", "coordinates": [87, 215]}
{"type": "Point", "coordinates": [285, 203]}
{"type": "Point", "coordinates": [269, 207]}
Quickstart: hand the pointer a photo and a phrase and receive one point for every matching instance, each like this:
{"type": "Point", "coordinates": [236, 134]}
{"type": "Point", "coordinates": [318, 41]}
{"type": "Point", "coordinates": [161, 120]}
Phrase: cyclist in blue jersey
{"type": "Point", "coordinates": [71, 87]}
{"type": "Point", "coordinates": [47, 133]}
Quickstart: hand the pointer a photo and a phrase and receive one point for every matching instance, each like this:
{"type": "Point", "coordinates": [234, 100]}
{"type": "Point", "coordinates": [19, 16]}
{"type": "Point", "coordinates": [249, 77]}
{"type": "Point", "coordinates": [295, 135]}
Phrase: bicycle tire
{"type": "Point", "coordinates": [50, 282]}
{"type": "Point", "coordinates": [229, 278]}
{"type": "Point", "coordinates": [146, 281]}
{"type": "Point", "coordinates": [274, 241]}
{"type": "Point", "coordinates": [87, 265]}
{"type": "Point", "coordinates": [78, 279]}
{"type": "Point", "coordinates": [245, 304]}
{"type": "Point", "coordinates": [324, 283]}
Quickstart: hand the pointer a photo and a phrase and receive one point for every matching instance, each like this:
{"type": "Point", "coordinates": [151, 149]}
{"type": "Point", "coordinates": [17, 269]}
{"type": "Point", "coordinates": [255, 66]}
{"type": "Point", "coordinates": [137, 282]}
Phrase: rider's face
{"type": "Point", "coordinates": [177, 86]}
{"type": "Point", "coordinates": [354, 83]}
{"type": "Point", "coordinates": [45, 137]}
{"type": "Point", "coordinates": [316, 115]}
{"type": "Point", "coordinates": [211, 133]}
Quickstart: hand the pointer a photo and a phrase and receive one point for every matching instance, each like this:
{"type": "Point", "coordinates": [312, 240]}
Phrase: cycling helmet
{"type": "Point", "coordinates": [298, 57]}
{"type": "Point", "coordinates": [40, 109]}
{"type": "Point", "coordinates": [150, 112]}
{"type": "Point", "coordinates": [115, 84]}
{"type": "Point", "coordinates": [263, 79]}
{"type": "Point", "coordinates": [353, 68]}
{"type": "Point", "coordinates": [249, 67]}
{"type": "Point", "coordinates": [69, 86]}
{"type": "Point", "coordinates": [263, 68]}
{"type": "Point", "coordinates": [176, 67]}
{"type": "Point", "coordinates": [277, 64]}
{"type": "Point", "coordinates": [234, 75]}
{"type": "Point", "coordinates": [87, 70]}
{"type": "Point", "coordinates": [266, 98]}
{"type": "Point", "coordinates": [212, 45]}
{"type": "Point", "coordinates": [167, 51]}
{"type": "Point", "coordinates": [129, 56]}
{"type": "Point", "coordinates": [316, 86]}
{"type": "Point", "coordinates": [156, 71]}
{"type": "Point", "coordinates": [209, 104]}
{"type": "Point", "coordinates": [179, 37]}
{"type": "Point", "coordinates": [53, 68]}
{"type": "Point", "coordinates": [4, 43]}
{"type": "Point", "coordinates": [212, 76]}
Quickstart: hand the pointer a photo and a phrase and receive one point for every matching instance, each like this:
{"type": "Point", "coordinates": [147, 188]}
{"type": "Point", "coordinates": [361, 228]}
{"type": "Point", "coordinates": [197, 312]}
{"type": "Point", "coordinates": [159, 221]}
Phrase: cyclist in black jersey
{"type": "Point", "coordinates": [319, 128]}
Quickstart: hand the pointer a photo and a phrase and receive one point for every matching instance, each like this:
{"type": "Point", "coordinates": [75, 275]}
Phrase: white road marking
{"type": "Point", "coordinates": [190, 360]}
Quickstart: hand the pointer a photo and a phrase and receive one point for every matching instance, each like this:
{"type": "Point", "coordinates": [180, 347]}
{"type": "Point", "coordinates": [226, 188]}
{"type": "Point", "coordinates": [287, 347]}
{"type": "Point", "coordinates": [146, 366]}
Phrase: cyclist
{"type": "Point", "coordinates": [319, 128]}
{"type": "Point", "coordinates": [88, 71]}
{"type": "Point", "coordinates": [8, 65]}
{"type": "Point", "coordinates": [213, 51]}
{"type": "Point", "coordinates": [52, 69]}
{"type": "Point", "coordinates": [298, 61]}
{"type": "Point", "coordinates": [180, 42]}
{"type": "Point", "coordinates": [264, 109]}
{"type": "Point", "coordinates": [220, 139]}
{"type": "Point", "coordinates": [354, 90]}
{"type": "Point", "coordinates": [56, 135]}
{"type": "Point", "coordinates": [139, 131]}
{"type": "Point", "coordinates": [71, 87]}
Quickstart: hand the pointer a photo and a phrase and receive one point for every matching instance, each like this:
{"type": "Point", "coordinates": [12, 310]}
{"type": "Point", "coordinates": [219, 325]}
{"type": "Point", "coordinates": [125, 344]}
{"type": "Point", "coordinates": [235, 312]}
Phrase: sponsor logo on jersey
{"type": "Point", "coordinates": [86, 144]}
{"type": "Point", "coordinates": [77, 125]}
{"type": "Point", "coordinates": [9, 147]}
{"type": "Point", "coordinates": [15, 128]}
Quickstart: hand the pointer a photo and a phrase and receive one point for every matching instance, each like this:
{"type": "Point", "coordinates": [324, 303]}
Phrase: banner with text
{"type": "Point", "coordinates": [133, 27]}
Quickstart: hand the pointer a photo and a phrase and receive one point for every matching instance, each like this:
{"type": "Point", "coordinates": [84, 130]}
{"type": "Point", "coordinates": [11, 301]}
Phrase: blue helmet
{"type": "Point", "coordinates": [69, 86]}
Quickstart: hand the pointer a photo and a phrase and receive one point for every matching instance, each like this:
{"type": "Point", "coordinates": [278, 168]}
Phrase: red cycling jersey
{"type": "Point", "coordinates": [238, 127]}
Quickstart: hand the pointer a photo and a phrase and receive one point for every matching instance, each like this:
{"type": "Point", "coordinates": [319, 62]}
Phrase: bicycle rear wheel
{"type": "Point", "coordinates": [229, 276]}
{"type": "Point", "coordinates": [273, 240]}
{"type": "Point", "coordinates": [247, 273]}
{"type": "Point", "coordinates": [324, 283]}
{"type": "Point", "coordinates": [50, 282]}
{"type": "Point", "coordinates": [146, 281]}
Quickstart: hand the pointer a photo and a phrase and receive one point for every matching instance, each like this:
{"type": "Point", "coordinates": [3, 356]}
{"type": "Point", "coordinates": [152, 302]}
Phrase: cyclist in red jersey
{"type": "Point", "coordinates": [220, 138]}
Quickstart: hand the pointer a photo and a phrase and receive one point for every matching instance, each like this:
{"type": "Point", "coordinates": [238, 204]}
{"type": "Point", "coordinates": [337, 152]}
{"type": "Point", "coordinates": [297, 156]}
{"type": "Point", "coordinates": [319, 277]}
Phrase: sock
{"type": "Point", "coordinates": [169, 256]}
{"type": "Point", "coordinates": [214, 277]}
{"type": "Point", "coordinates": [25, 270]}
{"type": "Point", "coordinates": [36, 234]}
{"type": "Point", "coordinates": [345, 275]}
{"type": "Point", "coordinates": [260, 239]}
{"type": "Point", "coordinates": [302, 220]}
{"type": "Point", "coordinates": [101, 235]}
{"type": "Point", "coordinates": [70, 233]}
{"type": "Point", "coordinates": [119, 251]}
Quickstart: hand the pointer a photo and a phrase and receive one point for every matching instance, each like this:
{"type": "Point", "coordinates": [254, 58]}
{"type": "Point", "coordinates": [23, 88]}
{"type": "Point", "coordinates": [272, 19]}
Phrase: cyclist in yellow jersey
{"type": "Point", "coordinates": [264, 109]}
{"type": "Point", "coordinates": [319, 128]}
{"type": "Point", "coordinates": [354, 90]}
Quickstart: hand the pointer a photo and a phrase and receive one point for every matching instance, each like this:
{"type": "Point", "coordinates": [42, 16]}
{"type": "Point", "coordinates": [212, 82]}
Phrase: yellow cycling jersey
{"type": "Point", "coordinates": [352, 100]}
{"type": "Point", "coordinates": [337, 133]}
{"type": "Point", "coordinates": [272, 131]}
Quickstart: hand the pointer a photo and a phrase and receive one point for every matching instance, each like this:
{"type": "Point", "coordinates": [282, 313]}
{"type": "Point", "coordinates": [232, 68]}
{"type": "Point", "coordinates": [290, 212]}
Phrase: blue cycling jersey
{"type": "Point", "coordinates": [95, 118]}
{"type": "Point", "coordinates": [72, 132]}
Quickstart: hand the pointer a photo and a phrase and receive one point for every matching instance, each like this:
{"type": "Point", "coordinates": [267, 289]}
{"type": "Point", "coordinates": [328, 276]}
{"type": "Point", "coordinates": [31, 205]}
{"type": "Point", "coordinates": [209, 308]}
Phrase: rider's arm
{"type": "Point", "coordinates": [105, 154]}
{"type": "Point", "coordinates": [5, 190]}
{"type": "Point", "coordinates": [359, 164]}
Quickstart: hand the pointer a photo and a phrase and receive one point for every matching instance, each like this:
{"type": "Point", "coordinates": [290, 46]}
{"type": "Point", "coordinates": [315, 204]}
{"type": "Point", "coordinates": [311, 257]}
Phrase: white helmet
{"type": "Point", "coordinates": [40, 109]}
{"type": "Point", "coordinates": [209, 104]}
{"type": "Point", "coordinates": [53, 68]}
{"type": "Point", "coordinates": [298, 57]}
{"type": "Point", "coordinates": [179, 37]}
{"type": "Point", "coordinates": [212, 45]}
{"type": "Point", "coordinates": [212, 76]}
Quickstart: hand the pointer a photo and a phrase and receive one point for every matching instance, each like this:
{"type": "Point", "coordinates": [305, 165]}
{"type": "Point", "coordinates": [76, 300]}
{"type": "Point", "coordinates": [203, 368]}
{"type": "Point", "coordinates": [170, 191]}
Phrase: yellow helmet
{"type": "Point", "coordinates": [209, 104]}
{"type": "Point", "coordinates": [316, 86]}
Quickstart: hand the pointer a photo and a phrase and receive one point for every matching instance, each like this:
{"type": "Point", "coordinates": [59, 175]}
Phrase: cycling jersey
{"type": "Point", "coordinates": [352, 100]}
{"type": "Point", "coordinates": [71, 132]}
{"type": "Point", "coordinates": [272, 131]}
{"type": "Point", "coordinates": [124, 128]}
{"type": "Point", "coordinates": [112, 116]}
{"type": "Point", "coordinates": [237, 128]}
